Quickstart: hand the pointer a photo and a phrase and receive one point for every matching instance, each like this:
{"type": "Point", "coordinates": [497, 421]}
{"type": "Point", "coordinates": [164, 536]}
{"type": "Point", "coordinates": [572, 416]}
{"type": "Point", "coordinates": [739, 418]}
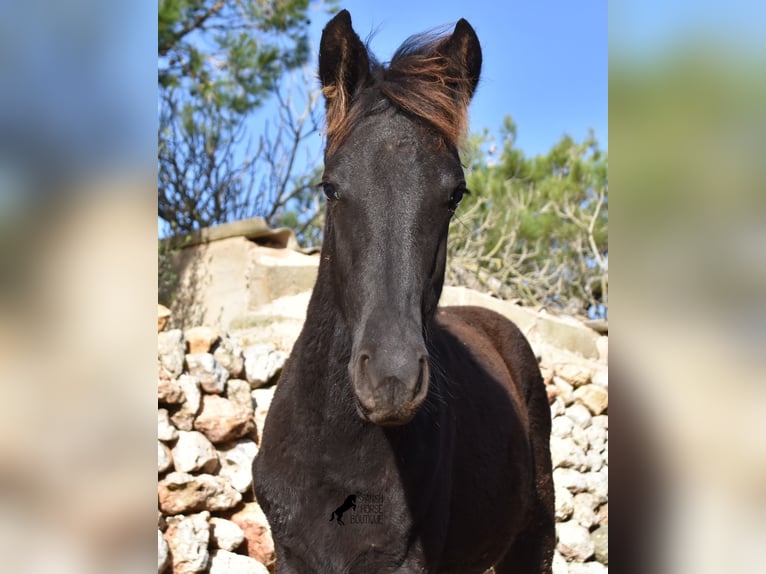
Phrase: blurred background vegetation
{"type": "Point", "coordinates": [534, 229]}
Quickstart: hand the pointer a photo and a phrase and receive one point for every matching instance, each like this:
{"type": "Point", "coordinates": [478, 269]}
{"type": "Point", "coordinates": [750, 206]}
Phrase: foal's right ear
{"type": "Point", "coordinates": [344, 64]}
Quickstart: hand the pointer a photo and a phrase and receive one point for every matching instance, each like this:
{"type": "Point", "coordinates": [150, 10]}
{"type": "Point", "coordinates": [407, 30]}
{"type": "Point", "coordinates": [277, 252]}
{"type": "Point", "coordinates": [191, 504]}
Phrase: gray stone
{"type": "Point", "coordinates": [600, 538]}
{"type": "Point", "coordinates": [262, 364]}
{"type": "Point", "coordinates": [566, 454]}
{"type": "Point", "coordinates": [210, 373]}
{"type": "Point", "coordinates": [224, 562]}
{"type": "Point", "coordinates": [163, 554]}
{"type": "Point", "coordinates": [561, 426]}
{"type": "Point", "coordinates": [227, 535]}
{"type": "Point", "coordinates": [222, 420]}
{"type": "Point", "coordinates": [564, 504]}
{"type": "Point", "coordinates": [188, 538]}
{"type": "Point", "coordinates": [180, 492]}
{"type": "Point", "coordinates": [164, 460]}
{"type": "Point", "coordinates": [574, 541]}
{"type": "Point", "coordinates": [237, 464]}
{"type": "Point", "coordinates": [166, 432]}
{"type": "Point", "coordinates": [183, 418]}
{"type": "Point", "coordinates": [593, 397]}
{"type": "Point", "coordinates": [579, 414]}
{"type": "Point", "coordinates": [584, 510]}
{"type": "Point", "coordinates": [171, 351]}
{"type": "Point", "coordinates": [193, 452]}
{"type": "Point", "coordinates": [571, 479]}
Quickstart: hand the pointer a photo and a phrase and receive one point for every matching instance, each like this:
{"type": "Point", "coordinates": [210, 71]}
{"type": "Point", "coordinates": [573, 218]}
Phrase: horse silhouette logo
{"type": "Point", "coordinates": [350, 502]}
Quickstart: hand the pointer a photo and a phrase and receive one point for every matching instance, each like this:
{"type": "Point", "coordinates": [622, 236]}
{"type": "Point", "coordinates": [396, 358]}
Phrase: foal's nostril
{"type": "Point", "coordinates": [422, 374]}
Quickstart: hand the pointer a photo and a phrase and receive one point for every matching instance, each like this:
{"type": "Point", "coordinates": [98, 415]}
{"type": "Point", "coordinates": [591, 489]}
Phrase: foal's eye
{"type": "Point", "coordinates": [457, 196]}
{"type": "Point", "coordinates": [330, 191]}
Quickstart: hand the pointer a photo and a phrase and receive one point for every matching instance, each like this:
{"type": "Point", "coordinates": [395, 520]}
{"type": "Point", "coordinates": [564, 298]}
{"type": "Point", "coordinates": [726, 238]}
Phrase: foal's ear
{"type": "Point", "coordinates": [343, 61]}
{"type": "Point", "coordinates": [463, 52]}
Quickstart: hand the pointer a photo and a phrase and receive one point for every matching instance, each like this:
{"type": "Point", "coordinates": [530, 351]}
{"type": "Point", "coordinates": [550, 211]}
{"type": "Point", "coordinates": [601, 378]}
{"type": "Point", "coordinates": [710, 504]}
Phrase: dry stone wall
{"type": "Point", "coordinates": [213, 395]}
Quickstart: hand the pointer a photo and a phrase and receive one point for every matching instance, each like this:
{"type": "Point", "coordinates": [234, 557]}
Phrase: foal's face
{"type": "Point", "coordinates": [392, 188]}
{"type": "Point", "coordinates": [393, 180]}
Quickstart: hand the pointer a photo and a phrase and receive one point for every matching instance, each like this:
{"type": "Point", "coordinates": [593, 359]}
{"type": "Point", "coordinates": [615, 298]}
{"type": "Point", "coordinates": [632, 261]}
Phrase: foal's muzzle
{"type": "Point", "coordinates": [389, 384]}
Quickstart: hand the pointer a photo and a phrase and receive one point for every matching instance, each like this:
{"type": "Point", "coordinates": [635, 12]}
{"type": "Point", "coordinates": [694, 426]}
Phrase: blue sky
{"type": "Point", "coordinates": [545, 61]}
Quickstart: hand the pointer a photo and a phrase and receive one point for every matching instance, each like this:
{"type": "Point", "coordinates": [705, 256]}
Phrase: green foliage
{"type": "Point", "coordinates": [219, 60]}
{"type": "Point", "coordinates": [535, 228]}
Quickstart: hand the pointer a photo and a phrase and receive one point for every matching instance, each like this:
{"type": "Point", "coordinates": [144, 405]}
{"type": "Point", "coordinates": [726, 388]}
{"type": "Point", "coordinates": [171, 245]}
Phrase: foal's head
{"type": "Point", "coordinates": [393, 180]}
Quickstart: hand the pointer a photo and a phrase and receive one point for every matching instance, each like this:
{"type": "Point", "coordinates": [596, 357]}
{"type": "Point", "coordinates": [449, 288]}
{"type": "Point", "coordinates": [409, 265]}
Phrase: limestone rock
{"type": "Point", "coordinates": [561, 426]}
{"type": "Point", "coordinates": [574, 542]}
{"type": "Point", "coordinates": [222, 420]}
{"type": "Point", "coordinates": [603, 514]}
{"type": "Point", "coordinates": [237, 464]}
{"type": "Point", "coordinates": [575, 374]}
{"type": "Point", "coordinates": [211, 375]}
{"type": "Point", "coordinates": [227, 535]}
{"type": "Point", "coordinates": [594, 397]}
{"type": "Point", "coordinates": [169, 391]}
{"type": "Point", "coordinates": [571, 479]}
{"type": "Point", "coordinates": [200, 339]}
{"type": "Point", "coordinates": [183, 418]}
{"type": "Point", "coordinates": [584, 510]}
{"type": "Point", "coordinates": [558, 407]}
{"type": "Point", "coordinates": [601, 378]}
{"type": "Point", "coordinates": [193, 452]}
{"type": "Point", "coordinates": [587, 568]}
{"type": "Point", "coordinates": [564, 504]}
{"type": "Point", "coordinates": [564, 390]}
{"type": "Point", "coordinates": [559, 564]}
{"type": "Point", "coordinates": [166, 432]}
{"type": "Point", "coordinates": [262, 398]}
{"type": "Point", "coordinates": [163, 316]}
{"type": "Point", "coordinates": [566, 454]}
{"type": "Point", "coordinates": [229, 354]}
{"type": "Point", "coordinates": [164, 460]}
{"type": "Point", "coordinates": [253, 523]}
{"type": "Point", "coordinates": [600, 538]}
{"type": "Point", "coordinates": [171, 351]}
{"type": "Point", "coordinates": [597, 436]}
{"type": "Point", "coordinates": [188, 538]}
{"type": "Point", "coordinates": [180, 492]}
{"type": "Point", "coordinates": [262, 364]}
{"type": "Point", "coordinates": [163, 555]}
{"type": "Point", "coordinates": [579, 414]}
{"type": "Point", "coordinates": [224, 562]}
{"type": "Point", "coordinates": [238, 392]}
{"type": "Point", "coordinates": [598, 485]}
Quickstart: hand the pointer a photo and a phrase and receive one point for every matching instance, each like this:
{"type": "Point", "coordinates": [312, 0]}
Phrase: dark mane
{"type": "Point", "coordinates": [418, 80]}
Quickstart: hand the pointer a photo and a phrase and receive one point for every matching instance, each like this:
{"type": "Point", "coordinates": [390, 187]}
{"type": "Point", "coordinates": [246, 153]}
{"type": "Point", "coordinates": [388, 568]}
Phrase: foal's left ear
{"type": "Point", "coordinates": [463, 53]}
{"type": "Point", "coordinates": [344, 64]}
